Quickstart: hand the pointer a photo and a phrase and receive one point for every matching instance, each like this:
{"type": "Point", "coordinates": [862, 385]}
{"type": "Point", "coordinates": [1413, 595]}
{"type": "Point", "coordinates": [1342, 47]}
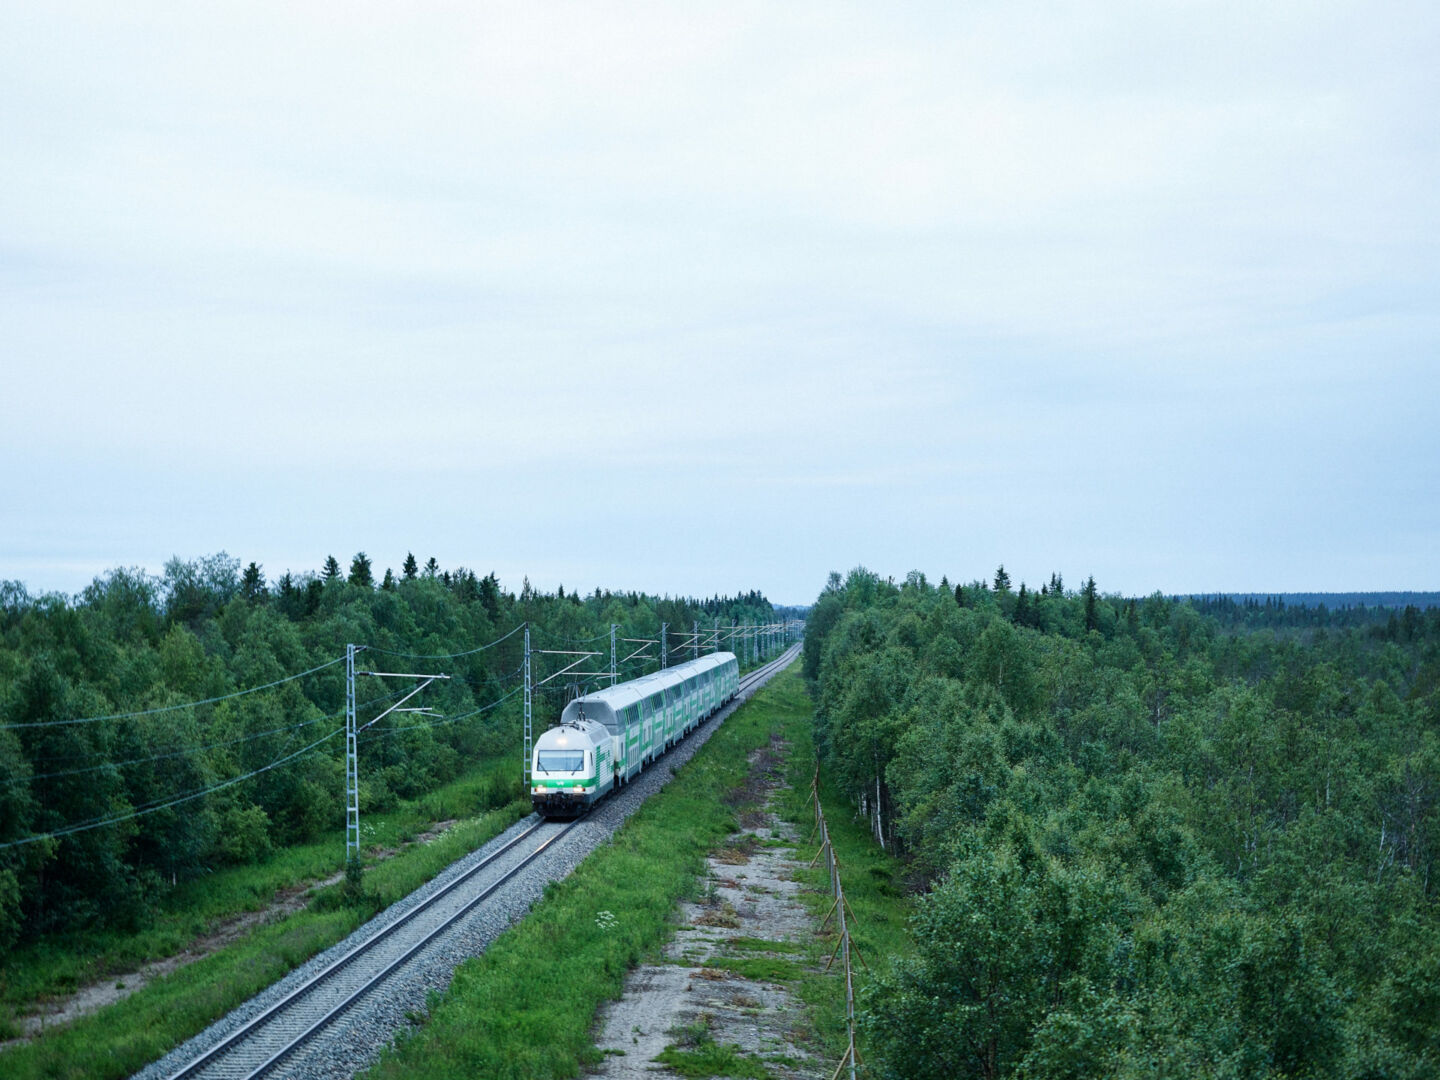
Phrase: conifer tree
{"type": "Point", "coordinates": [252, 584]}
{"type": "Point", "coordinates": [1002, 579]}
{"type": "Point", "coordinates": [331, 570]}
{"type": "Point", "coordinates": [1022, 607]}
{"type": "Point", "coordinates": [360, 570]}
{"type": "Point", "coordinates": [1092, 619]}
{"type": "Point", "coordinates": [410, 568]}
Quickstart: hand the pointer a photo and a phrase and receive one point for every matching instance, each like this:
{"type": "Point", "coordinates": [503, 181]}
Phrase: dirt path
{"type": "Point", "coordinates": [720, 996]}
{"type": "Point", "coordinates": [115, 987]}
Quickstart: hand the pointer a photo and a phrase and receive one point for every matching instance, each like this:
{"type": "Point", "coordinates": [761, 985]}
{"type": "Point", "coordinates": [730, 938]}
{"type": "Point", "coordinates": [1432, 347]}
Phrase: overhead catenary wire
{"type": "Point", "coordinates": [445, 656]}
{"type": "Point", "coordinates": [444, 721]}
{"type": "Point", "coordinates": [153, 808]}
{"type": "Point", "coordinates": [183, 751]}
{"type": "Point", "coordinates": [172, 708]}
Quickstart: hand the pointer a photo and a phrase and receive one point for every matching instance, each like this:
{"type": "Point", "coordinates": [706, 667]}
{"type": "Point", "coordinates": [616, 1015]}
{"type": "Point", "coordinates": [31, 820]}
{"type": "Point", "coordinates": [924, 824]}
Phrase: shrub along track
{"type": "Point", "coordinates": [304, 1026]}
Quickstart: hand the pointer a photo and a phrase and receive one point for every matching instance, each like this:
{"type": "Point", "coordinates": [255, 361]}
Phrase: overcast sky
{"type": "Point", "coordinates": [704, 297]}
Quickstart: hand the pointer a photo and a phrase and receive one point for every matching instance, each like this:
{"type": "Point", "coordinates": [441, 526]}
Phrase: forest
{"type": "Point", "coordinates": [154, 728]}
{"type": "Point", "coordinates": [1152, 837]}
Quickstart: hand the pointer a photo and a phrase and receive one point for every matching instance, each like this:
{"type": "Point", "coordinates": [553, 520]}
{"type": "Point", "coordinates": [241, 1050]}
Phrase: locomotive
{"type": "Point", "coordinates": [604, 739]}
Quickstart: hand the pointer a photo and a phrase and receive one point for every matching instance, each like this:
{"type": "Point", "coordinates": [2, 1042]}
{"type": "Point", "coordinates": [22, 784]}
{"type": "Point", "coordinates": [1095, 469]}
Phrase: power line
{"type": "Point", "coordinates": [153, 807]}
{"type": "Point", "coordinates": [190, 749]}
{"type": "Point", "coordinates": [444, 656]}
{"type": "Point", "coordinates": [173, 708]}
{"type": "Point", "coordinates": [446, 720]}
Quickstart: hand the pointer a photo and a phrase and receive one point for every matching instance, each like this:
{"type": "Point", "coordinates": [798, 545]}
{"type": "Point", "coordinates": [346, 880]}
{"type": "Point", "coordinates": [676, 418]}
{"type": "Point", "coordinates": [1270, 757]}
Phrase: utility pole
{"type": "Point", "coordinates": [695, 640]}
{"type": "Point", "coordinates": [352, 763]}
{"type": "Point", "coordinates": [715, 638]}
{"type": "Point", "coordinates": [526, 771]}
{"type": "Point", "coordinates": [664, 643]}
{"type": "Point", "coordinates": [352, 732]}
{"type": "Point", "coordinates": [614, 669]}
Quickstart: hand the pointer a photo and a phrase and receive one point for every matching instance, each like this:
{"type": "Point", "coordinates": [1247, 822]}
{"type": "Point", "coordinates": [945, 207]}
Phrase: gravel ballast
{"type": "Point", "coordinates": [356, 1038]}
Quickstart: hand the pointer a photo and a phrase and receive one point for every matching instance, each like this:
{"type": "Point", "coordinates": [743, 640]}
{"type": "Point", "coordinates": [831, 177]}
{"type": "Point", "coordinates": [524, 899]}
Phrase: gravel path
{"type": "Point", "coordinates": [692, 1000]}
{"type": "Point", "coordinates": [355, 1040]}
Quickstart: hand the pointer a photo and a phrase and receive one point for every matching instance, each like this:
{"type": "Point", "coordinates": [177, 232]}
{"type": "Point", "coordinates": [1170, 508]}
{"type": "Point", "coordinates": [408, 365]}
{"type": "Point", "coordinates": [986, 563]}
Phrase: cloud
{"type": "Point", "coordinates": [922, 274]}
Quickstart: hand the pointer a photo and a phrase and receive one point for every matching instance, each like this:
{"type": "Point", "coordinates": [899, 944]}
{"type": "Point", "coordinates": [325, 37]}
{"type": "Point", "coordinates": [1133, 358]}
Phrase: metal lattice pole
{"type": "Point", "coordinates": [352, 763]}
{"type": "Point", "coordinates": [664, 642]}
{"type": "Point", "coordinates": [614, 671]}
{"type": "Point", "coordinates": [527, 706]}
{"type": "Point", "coordinates": [695, 640]}
{"type": "Point", "coordinates": [715, 640]}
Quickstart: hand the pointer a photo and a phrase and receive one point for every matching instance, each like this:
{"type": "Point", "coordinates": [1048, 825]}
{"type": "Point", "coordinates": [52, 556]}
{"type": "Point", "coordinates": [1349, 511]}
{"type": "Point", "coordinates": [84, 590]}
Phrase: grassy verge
{"type": "Point", "coordinates": [126, 1036]}
{"type": "Point", "coordinates": [874, 891]}
{"type": "Point", "coordinates": [526, 1008]}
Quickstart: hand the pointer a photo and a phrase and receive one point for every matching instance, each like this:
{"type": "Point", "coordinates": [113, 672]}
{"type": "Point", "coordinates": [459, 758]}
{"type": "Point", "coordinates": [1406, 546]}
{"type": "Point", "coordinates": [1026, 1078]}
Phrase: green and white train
{"type": "Point", "coordinates": [604, 739]}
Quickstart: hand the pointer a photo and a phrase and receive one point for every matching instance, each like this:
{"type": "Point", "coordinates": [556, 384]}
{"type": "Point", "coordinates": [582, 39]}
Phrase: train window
{"type": "Point", "coordinates": [549, 761]}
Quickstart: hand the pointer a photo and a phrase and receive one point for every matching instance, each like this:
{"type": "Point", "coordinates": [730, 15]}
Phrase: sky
{"type": "Point", "coordinates": [699, 298]}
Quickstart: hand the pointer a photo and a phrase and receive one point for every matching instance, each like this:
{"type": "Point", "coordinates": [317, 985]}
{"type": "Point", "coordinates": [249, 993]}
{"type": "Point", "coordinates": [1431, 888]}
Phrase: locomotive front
{"type": "Point", "coordinates": [565, 769]}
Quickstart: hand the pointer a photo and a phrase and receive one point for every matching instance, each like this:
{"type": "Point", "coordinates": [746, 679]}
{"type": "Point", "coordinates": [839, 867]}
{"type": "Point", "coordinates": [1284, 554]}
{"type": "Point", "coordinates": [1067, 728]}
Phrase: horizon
{"type": "Point", "coordinates": [514, 586]}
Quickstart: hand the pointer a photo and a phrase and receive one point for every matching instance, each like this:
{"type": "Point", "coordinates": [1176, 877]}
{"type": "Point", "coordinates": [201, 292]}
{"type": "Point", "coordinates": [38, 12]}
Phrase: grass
{"type": "Point", "coordinates": [751, 944]}
{"type": "Point", "coordinates": [526, 1008]}
{"type": "Point", "coordinates": [713, 1059]}
{"type": "Point", "coordinates": [874, 892]}
{"type": "Point", "coordinates": [760, 968]}
{"type": "Point", "coordinates": [61, 963]}
{"type": "Point", "coordinates": [126, 1036]}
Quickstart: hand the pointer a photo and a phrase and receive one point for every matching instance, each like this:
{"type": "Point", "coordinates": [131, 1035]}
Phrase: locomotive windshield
{"type": "Point", "coordinates": [560, 760]}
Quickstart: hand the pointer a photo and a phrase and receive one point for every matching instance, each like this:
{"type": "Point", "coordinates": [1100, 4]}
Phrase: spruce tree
{"type": "Point", "coordinates": [410, 568]}
{"type": "Point", "coordinates": [331, 570]}
{"type": "Point", "coordinates": [1002, 579]}
{"type": "Point", "coordinates": [490, 594]}
{"type": "Point", "coordinates": [360, 570]}
{"type": "Point", "coordinates": [1092, 619]}
{"type": "Point", "coordinates": [252, 584]}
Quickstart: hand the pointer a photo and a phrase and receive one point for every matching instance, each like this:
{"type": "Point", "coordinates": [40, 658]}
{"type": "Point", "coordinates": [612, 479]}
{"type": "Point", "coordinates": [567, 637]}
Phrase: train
{"type": "Point", "coordinates": [604, 739]}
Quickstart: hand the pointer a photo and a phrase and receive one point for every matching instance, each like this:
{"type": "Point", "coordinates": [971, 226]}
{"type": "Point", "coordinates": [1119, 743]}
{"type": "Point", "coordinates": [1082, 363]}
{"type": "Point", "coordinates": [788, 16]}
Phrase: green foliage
{"type": "Point", "coordinates": [1156, 842]}
{"type": "Point", "coordinates": [131, 647]}
{"type": "Point", "coordinates": [121, 1039]}
{"type": "Point", "coordinates": [361, 574]}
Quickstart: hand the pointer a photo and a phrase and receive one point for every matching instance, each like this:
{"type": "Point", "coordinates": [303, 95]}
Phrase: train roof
{"type": "Point", "coordinates": [602, 705]}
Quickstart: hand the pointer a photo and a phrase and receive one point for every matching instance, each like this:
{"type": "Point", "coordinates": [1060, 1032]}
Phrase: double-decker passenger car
{"type": "Point", "coordinates": [605, 738]}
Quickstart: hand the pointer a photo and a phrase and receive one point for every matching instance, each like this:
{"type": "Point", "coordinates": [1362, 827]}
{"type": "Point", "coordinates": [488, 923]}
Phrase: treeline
{"type": "Point", "coordinates": [1391, 616]}
{"type": "Point", "coordinates": [95, 729]}
{"type": "Point", "coordinates": [1151, 844]}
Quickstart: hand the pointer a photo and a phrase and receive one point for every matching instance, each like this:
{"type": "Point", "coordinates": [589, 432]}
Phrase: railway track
{"type": "Point", "coordinates": [267, 1040]}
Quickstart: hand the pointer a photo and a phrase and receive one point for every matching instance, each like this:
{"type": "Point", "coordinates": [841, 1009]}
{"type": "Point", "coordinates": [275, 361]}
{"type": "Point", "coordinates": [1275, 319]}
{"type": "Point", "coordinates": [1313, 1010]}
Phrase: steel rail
{"type": "Point", "coordinates": [231, 1041]}
{"type": "Point", "coordinates": [405, 957]}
